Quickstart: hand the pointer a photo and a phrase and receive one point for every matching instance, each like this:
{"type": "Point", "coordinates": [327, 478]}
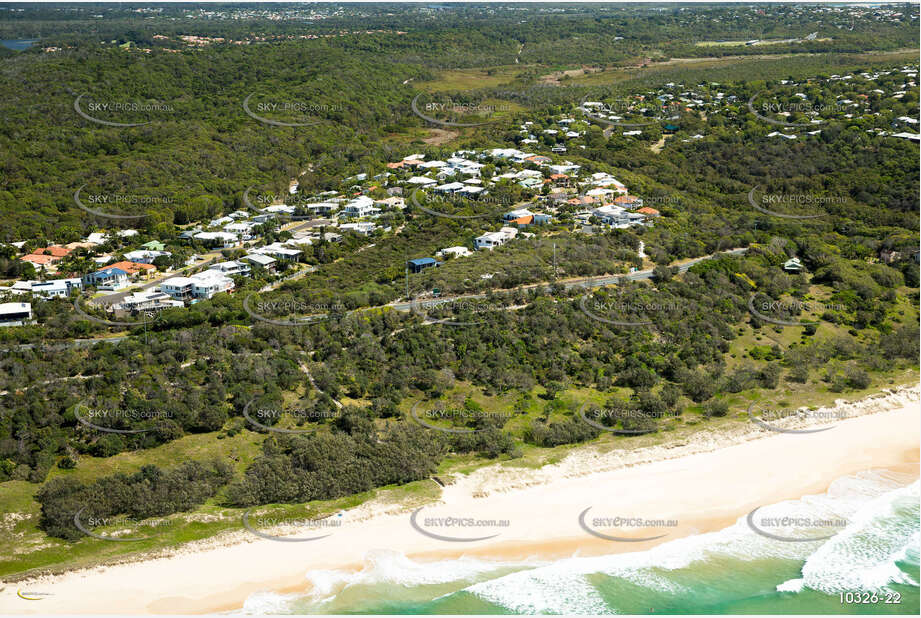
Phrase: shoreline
{"type": "Point", "coordinates": [704, 484]}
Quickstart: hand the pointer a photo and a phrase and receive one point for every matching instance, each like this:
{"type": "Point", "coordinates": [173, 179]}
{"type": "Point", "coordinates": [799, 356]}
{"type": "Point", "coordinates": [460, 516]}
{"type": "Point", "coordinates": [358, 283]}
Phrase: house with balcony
{"type": "Point", "coordinates": [232, 267]}
{"type": "Point", "coordinates": [15, 314]}
{"type": "Point", "coordinates": [108, 279]}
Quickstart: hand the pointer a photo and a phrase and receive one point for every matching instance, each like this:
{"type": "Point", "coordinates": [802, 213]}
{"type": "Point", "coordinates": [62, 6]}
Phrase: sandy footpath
{"type": "Point", "coordinates": [703, 485]}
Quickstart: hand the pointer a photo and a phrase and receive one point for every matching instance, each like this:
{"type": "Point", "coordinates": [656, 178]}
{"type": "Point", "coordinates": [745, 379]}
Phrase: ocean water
{"type": "Point", "coordinates": [733, 570]}
{"type": "Point", "coordinates": [18, 44]}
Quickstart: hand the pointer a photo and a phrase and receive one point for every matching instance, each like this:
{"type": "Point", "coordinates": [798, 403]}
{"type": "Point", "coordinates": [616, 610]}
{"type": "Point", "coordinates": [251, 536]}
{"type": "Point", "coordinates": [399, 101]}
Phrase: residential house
{"type": "Point", "coordinates": [179, 288]}
{"type": "Point", "coordinates": [234, 267]}
{"type": "Point", "coordinates": [490, 240]}
{"type": "Point", "coordinates": [15, 314]}
{"type": "Point", "coordinates": [135, 269]}
{"type": "Point", "coordinates": [364, 228]}
{"type": "Point", "coordinates": [450, 188]}
{"type": "Point", "coordinates": [107, 279]}
{"type": "Point", "coordinates": [146, 301]}
{"type": "Point", "coordinates": [611, 215]}
{"type": "Point", "coordinates": [243, 229]}
{"type": "Point", "coordinates": [265, 261]}
{"type": "Point", "coordinates": [144, 256]}
{"type": "Point", "coordinates": [97, 238]}
{"type": "Point", "coordinates": [629, 202]}
{"type": "Point", "coordinates": [46, 255]}
{"type": "Point", "coordinates": [470, 191]}
{"type": "Point", "coordinates": [225, 239]}
{"type": "Point", "coordinates": [199, 286]}
{"type": "Point", "coordinates": [53, 288]}
{"type": "Point", "coordinates": [793, 265]}
{"type": "Point", "coordinates": [210, 282]}
{"type": "Point", "coordinates": [279, 251]}
{"type": "Point", "coordinates": [362, 206]}
{"type": "Point", "coordinates": [322, 208]}
{"type": "Point", "coordinates": [39, 260]}
{"type": "Point", "coordinates": [391, 202]}
{"type": "Point", "coordinates": [457, 252]}
{"type": "Point", "coordinates": [419, 264]}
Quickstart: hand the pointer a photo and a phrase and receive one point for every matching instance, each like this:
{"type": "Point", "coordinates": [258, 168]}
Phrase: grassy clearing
{"type": "Point", "coordinates": [471, 79]}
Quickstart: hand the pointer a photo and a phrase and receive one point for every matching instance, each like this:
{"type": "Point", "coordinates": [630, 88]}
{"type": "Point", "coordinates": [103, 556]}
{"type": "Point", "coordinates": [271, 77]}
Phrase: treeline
{"type": "Point", "coordinates": [149, 492]}
{"type": "Point", "coordinates": [352, 459]}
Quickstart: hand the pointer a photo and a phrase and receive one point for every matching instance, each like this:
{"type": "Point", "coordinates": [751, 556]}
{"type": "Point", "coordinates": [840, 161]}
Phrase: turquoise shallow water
{"type": "Point", "coordinates": [733, 571]}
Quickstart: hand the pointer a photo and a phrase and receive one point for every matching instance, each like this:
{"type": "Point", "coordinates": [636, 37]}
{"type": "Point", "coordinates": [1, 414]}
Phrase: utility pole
{"type": "Point", "coordinates": [407, 283]}
{"type": "Point", "coordinates": [554, 260]}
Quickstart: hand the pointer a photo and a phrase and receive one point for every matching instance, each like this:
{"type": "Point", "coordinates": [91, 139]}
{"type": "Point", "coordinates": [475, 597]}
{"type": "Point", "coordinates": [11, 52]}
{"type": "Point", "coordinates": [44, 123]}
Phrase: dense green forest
{"type": "Point", "coordinates": [536, 343]}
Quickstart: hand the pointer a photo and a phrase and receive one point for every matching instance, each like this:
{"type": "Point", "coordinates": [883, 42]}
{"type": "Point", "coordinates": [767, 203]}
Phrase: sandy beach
{"type": "Point", "coordinates": [701, 485]}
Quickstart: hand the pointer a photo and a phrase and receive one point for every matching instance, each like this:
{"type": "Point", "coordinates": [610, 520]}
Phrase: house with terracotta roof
{"type": "Point", "coordinates": [649, 212]}
{"type": "Point", "coordinates": [46, 256]}
{"type": "Point", "coordinates": [628, 201]}
{"type": "Point", "coordinates": [38, 259]}
{"type": "Point", "coordinates": [53, 250]}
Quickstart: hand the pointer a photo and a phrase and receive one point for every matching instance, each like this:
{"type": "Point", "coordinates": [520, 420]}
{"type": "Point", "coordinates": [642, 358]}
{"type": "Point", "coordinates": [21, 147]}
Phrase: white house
{"type": "Point", "coordinates": [209, 282]}
{"type": "Point", "coordinates": [278, 251]}
{"type": "Point", "coordinates": [491, 240]}
{"type": "Point", "coordinates": [233, 267]}
{"type": "Point", "coordinates": [362, 227]}
{"type": "Point", "coordinates": [362, 206]}
{"type": "Point", "coordinates": [107, 279]}
{"type": "Point", "coordinates": [611, 215]}
{"type": "Point", "coordinates": [470, 190]}
{"type": "Point", "coordinates": [457, 252]}
{"type": "Point", "coordinates": [55, 288]}
{"type": "Point", "coordinates": [146, 301]}
{"type": "Point", "coordinates": [97, 238]}
{"type": "Point", "coordinates": [243, 229]}
{"type": "Point", "coordinates": [143, 256]}
{"type": "Point", "coordinates": [179, 288]}
{"type": "Point", "coordinates": [201, 285]}
{"type": "Point", "coordinates": [226, 239]}
{"type": "Point", "coordinates": [15, 314]}
{"type": "Point", "coordinates": [452, 187]}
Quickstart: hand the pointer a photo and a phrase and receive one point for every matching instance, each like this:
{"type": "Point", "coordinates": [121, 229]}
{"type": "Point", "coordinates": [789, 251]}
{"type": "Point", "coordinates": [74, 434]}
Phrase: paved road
{"type": "Point", "coordinates": [585, 282]}
{"type": "Point", "coordinates": [110, 299]}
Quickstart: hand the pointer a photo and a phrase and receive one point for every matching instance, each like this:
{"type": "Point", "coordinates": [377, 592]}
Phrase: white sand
{"type": "Point", "coordinates": [700, 485]}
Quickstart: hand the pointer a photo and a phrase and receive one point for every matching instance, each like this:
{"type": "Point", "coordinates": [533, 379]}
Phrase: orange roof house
{"type": "Point", "coordinates": [620, 200]}
{"type": "Point", "coordinates": [53, 250]}
{"type": "Point", "coordinates": [133, 268]}
{"type": "Point", "coordinates": [396, 166]}
{"type": "Point", "coordinates": [646, 210]}
{"type": "Point", "coordinates": [38, 259]}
